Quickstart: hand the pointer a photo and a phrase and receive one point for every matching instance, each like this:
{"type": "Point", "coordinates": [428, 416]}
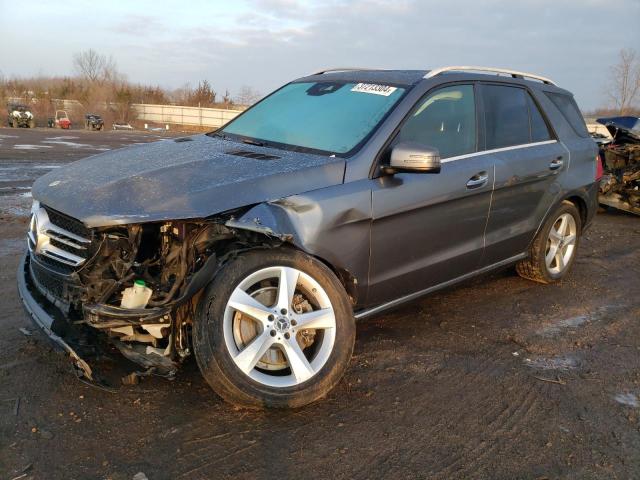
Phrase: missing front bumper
{"type": "Point", "coordinates": [46, 315]}
{"type": "Point", "coordinates": [43, 319]}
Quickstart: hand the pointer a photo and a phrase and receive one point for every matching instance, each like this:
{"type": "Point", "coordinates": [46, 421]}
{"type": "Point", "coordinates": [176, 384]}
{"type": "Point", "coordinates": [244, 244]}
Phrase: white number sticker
{"type": "Point", "coordinates": [384, 90]}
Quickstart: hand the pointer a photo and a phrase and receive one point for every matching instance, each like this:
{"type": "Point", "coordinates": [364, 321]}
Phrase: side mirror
{"type": "Point", "coordinates": [413, 157]}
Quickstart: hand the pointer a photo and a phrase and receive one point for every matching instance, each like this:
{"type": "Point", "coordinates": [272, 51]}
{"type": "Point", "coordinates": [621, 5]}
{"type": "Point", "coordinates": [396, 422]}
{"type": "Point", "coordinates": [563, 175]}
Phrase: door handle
{"type": "Point", "coordinates": [556, 164]}
{"type": "Point", "coordinates": [478, 180]}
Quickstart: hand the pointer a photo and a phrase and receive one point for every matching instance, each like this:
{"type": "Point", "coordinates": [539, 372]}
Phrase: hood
{"type": "Point", "coordinates": [629, 126]}
{"type": "Point", "coordinates": [192, 177]}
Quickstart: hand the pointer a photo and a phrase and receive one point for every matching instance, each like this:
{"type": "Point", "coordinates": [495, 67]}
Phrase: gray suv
{"type": "Point", "coordinates": [341, 195]}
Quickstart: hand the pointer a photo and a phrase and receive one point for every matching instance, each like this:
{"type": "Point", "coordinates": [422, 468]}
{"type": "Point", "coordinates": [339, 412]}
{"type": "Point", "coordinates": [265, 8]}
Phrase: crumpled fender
{"type": "Point", "coordinates": [331, 224]}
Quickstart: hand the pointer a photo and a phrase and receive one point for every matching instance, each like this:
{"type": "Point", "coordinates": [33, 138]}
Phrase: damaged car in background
{"type": "Point", "coordinates": [620, 157]}
{"type": "Point", "coordinates": [341, 195]}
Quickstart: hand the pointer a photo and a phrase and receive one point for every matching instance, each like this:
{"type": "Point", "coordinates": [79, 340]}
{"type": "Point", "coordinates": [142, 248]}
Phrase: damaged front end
{"type": "Point", "coordinates": [73, 278]}
{"type": "Point", "coordinates": [620, 184]}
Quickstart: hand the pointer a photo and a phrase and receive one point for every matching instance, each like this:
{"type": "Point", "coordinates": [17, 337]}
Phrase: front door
{"type": "Point", "coordinates": [429, 228]}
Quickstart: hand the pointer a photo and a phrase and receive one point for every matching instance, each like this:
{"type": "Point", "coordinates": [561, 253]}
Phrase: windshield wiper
{"type": "Point", "coordinates": [250, 141]}
{"type": "Point", "coordinates": [218, 134]}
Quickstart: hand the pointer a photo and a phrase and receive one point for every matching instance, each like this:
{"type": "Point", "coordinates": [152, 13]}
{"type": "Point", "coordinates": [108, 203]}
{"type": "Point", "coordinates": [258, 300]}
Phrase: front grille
{"type": "Point", "coordinates": [55, 265]}
{"type": "Point", "coordinates": [84, 253]}
{"type": "Point", "coordinates": [47, 281]}
{"type": "Point", "coordinates": [67, 223]}
{"type": "Point", "coordinates": [59, 241]}
{"type": "Point", "coordinates": [62, 289]}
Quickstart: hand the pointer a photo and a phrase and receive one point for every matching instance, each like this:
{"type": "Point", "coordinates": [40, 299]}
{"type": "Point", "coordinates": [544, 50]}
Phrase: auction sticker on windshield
{"type": "Point", "coordinates": [385, 90]}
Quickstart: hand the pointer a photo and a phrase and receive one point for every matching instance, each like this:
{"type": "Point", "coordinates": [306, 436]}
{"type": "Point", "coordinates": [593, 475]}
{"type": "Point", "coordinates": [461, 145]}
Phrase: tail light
{"type": "Point", "coordinates": [599, 169]}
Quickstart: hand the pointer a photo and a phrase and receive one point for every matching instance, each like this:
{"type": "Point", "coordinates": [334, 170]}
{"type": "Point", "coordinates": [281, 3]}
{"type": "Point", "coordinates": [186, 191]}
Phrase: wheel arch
{"type": "Point", "coordinates": [581, 205]}
{"type": "Point", "coordinates": [271, 226]}
{"type": "Point", "coordinates": [578, 198]}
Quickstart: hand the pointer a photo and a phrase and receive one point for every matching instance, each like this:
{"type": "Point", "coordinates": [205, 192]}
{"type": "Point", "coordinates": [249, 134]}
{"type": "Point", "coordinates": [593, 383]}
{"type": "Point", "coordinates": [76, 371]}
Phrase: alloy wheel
{"type": "Point", "coordinates": [279, 326]}
{"type": "Point", "coordinates": [561, 243]}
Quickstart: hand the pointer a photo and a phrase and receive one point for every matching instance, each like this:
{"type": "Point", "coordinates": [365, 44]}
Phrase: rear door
{"type": "Point", "coordinates": [428, 228]}
{"type": "Point", "coordinates": [528, 160]}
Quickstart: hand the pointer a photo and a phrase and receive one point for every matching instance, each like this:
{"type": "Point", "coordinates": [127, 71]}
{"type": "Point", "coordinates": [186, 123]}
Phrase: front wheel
{"type": "Point", "coordinates": [274, 329]}
{"type": "Point", "coordinates": [554, 249]}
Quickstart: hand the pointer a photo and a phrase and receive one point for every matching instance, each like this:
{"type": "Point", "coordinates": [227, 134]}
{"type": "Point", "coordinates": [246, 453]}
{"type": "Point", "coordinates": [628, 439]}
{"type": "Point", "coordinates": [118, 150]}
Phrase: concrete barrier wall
{"type": "Point", "coordinates": [178, 115]}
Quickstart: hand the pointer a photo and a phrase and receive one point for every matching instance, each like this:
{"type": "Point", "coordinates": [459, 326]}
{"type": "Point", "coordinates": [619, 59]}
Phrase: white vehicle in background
{"type": "Point", "coordinates": [121, 126]}
{"type": "Point", "coordinates": [19, 115]}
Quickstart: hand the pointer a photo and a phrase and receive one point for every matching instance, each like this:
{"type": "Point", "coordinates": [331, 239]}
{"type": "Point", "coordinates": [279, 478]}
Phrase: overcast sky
{"type": "Point", "coordinates": [264, 43]}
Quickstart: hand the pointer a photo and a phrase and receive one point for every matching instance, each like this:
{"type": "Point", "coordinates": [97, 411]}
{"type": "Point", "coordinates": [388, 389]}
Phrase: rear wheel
{"type": "Point", "coordinates": [553, 251]}
{"type": "Point", "coordinates": [274, 329]}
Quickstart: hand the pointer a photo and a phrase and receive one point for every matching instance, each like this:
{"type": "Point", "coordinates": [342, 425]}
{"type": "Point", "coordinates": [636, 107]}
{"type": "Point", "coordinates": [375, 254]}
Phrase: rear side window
{"type": "Point", "coordinates": [506, 116]}
{"type": "Point", "coordinates": [539, 130]}
{"type": "Point", "coordinates": [444, 119]}
{"type": "Point", "coordinates": [570, 111]}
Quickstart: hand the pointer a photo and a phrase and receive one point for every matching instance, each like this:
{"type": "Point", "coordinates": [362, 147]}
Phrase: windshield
{"type": "Point", "coordinates": [331, 117]}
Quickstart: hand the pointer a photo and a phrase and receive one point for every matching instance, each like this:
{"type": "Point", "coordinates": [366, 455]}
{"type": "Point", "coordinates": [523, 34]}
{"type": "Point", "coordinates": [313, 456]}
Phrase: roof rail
{"type": "Point", "coordinates": [513, 73]}
{"type": "Point", "coordinates": [343, 69]}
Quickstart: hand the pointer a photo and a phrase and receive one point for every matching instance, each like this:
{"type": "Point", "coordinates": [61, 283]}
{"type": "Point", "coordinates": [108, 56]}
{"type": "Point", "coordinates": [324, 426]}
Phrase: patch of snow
{"type": "Point", "coordinates": [62, 138]}
{"type": "Point", "coordinates": [68, 144]}
{"type": "Point", "coordinates": [627, 399]}
{"type": "Point", "coordinates": [30, 147]}
{"type": "Point", "coordinates": [565, 362]}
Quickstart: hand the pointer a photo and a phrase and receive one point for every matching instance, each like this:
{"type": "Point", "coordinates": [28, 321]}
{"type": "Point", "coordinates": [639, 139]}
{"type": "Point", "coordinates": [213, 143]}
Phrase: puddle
{"type": "Point", "coordinates": [12, 246]}
{"type": "Point", "coordinates": [25, 172]}
{"type": "Point", "coordinates": [577, 321]}
{"type": "Point", "coordinates": [30, 147]}
{"type": "Point", "coordinates": [16, 179]}
{"type": "Point", "coordinates": [563, 362]}
{"type": "Point", "coordinates": [627, 399]}
{"type": "Point", "coordinates": [15, 208]}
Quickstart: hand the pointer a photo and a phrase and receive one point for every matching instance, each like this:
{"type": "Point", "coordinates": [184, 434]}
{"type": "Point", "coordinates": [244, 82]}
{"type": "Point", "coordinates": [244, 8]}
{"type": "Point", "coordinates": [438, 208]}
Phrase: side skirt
{"type": "Point", "coordinates": [408, 298]}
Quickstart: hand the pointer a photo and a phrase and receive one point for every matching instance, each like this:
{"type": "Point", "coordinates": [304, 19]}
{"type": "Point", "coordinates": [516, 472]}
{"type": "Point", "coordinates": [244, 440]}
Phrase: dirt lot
{"type": "Point", "coordinates": [499, 378]}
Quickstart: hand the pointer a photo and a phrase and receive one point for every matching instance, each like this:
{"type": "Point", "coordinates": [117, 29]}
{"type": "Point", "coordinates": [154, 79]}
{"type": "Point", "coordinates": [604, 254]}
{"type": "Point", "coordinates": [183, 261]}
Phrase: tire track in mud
{"type": "Point", "coordinates": [503, 423]}
{"type": "Point", "coordinates": [500, 432]}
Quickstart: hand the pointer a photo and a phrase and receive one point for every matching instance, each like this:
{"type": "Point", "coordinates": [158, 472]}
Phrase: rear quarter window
{"type": "Point", "coordinates": [570, 111]}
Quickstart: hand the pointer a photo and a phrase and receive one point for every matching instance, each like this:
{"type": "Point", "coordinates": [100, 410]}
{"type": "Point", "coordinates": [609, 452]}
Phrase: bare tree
{"type": "Point", "coordinates": [94, 66]}
{"type": "Point", "coordinates": [624, 89]}
{"type": "Point", "coordinates": [247, 96]}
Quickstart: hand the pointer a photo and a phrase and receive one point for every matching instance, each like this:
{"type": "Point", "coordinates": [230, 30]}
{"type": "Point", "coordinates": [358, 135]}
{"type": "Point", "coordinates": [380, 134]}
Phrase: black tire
{"type": "Point", "coordinates": [534, 267]}
{"type": "Point", "coordinates": [214, 358]}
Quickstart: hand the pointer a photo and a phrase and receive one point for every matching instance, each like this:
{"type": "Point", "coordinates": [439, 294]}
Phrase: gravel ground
{"type": "Point", "coordinates": [499, 378]}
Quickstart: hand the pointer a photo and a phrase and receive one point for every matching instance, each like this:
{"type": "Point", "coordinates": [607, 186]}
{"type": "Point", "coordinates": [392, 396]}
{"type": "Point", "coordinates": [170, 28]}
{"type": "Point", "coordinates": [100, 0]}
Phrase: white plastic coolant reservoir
{"type": "Point", "coordinates": [137, 296]}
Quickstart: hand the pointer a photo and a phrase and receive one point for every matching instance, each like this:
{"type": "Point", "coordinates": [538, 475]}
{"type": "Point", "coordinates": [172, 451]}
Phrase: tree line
{"type": "Point", "coordinates": [101, 88]}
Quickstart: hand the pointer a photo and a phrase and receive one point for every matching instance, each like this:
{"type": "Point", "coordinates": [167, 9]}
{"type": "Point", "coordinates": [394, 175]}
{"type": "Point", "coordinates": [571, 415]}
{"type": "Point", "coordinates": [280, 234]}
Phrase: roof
{"type": "Point", "coordinates": [412, 77]}
{"type": "Point", "coordinates": [392, 77]}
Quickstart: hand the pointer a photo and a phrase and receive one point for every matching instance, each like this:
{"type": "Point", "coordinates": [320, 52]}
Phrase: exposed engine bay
{"type": "Point", "coordinates": [85, 273]}
{"type": "Point", "coordinates": [620, 157]}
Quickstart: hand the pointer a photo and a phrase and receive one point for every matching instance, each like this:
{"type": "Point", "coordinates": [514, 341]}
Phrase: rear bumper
{"type": "Point", "coordinates": [42, 318]}
{"type": "Point", "coordinates": [592, 204]}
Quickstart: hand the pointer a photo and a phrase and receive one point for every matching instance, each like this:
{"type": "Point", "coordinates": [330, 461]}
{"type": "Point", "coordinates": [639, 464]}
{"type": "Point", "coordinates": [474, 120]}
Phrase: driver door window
{"type": "Point", "coordinates": [444, 119]}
